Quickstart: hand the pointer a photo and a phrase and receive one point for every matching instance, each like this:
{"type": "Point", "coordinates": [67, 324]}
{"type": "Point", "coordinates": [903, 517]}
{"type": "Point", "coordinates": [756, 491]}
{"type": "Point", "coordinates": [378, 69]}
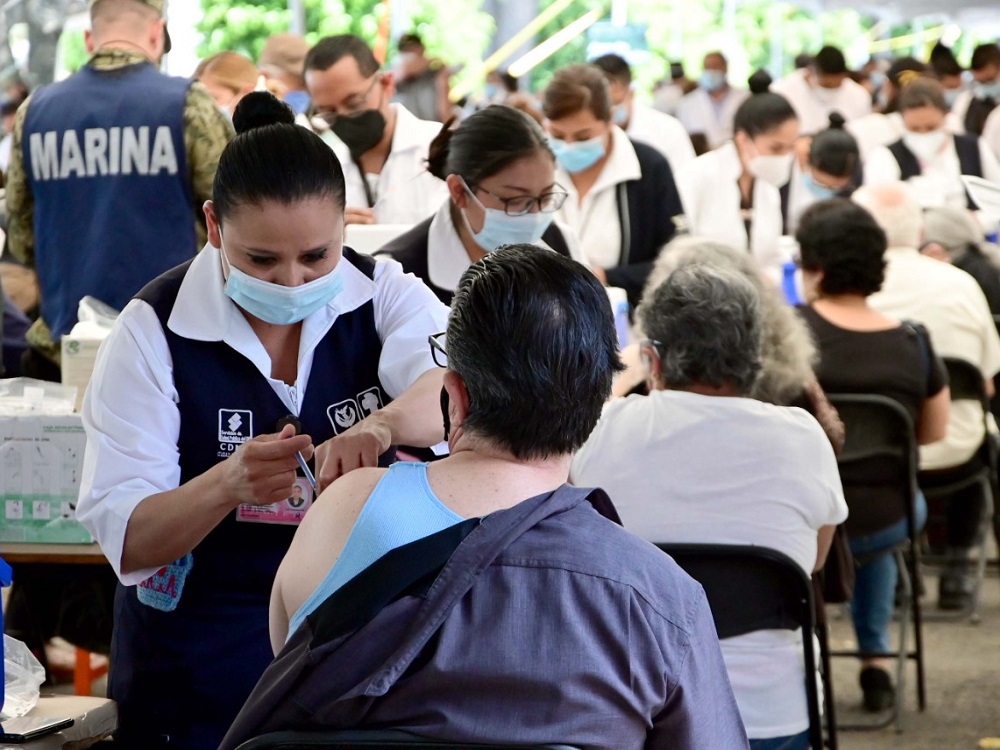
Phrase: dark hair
{"type": "Point", "coordinates": [759, 81]}
{"type": "Point", "coordinates": [676, 70]}
{"type": "Point", "coordinates": [273, 159]}
{"type": "Point", "coordinates": [484, 143]}
{"type": "Point", "coordinates": [803, 60]}
{"type": "Point", "coordinates": [615, 67]}
{"type": "Point", "coordinates": [718, 54]}
{"type": "Point", "coordinates": [983, 55]}
{"type": "Point", "coordinates": [707, 323]}
{"type": "Point", "coordinates": [830, 61]}
{"type": "Point", "coordinates": [532, 335]}
{"type": "Point", "coordinates": [509, 81]}
{"type": "Point", "coordinates": [943, 61]}
{"type": "Point", "coordinates": [330, 50]}
{"type": "Point", "coordinates": [902, 71]}
{"type": "Point", "coordinates": [834, 150]}
{"type": "Point", "coordinates": [922, 92]}
{"type": "Point", "coordinates": [409, 41]}
{"type": "Point", "coordinates": [576, 88]}
{"type": "Point", "coordinates": [843, 240]}
{"type": "Point", "coordinates": [762, 113]}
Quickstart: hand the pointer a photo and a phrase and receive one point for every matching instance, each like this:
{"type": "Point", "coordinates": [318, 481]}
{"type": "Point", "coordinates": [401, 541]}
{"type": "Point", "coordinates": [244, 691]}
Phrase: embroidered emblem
{"type": "Point", "coordinates": [235, 425]}
{"type": "Point", "coordinates": [370, 401]}
{"type": "Point", "coordinates": [163, 589]}
{"type": "Point", "coordinates": [343, 415]}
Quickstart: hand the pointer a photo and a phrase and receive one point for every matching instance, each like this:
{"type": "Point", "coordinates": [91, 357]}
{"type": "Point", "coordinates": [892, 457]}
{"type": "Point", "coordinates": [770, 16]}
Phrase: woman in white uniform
{"type": "Point", "coordinates": [731, 195]}
{"type": "Point", "coordinates": [928, 156]}
{"type": "Point", "coordinates": [191, 419]}
{"type": "Point", "coordinates": [622, 197]}
{"type": "Point", "coordinates": [501, 179]}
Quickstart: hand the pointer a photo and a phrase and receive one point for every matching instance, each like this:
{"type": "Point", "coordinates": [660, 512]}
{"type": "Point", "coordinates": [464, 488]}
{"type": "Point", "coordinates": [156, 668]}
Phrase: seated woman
{"type": "Point", "coordinates": [863, 351]}
{"type": "Point", "coordinates": [928, 156]}
{"type": "Point", "coordinates": [954, 236]}
{"type": "Point", "coordinates": [732, 194]}
{"type": "Point", "coordinates": [500, 174]}
{"type": "Point", "coordinates": [228, 76]}
{"type": "Point", "coordinates": [697, 461]}
{"type": "Point", "coordinates": [622, 197]}
{"type": "Point", "coordinates": [445, 599]}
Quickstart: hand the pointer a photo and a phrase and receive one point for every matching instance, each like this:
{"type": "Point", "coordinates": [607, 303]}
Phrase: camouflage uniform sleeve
{"type": "Point", "coordinates": [206, 133]}
{"type": "Point", "coordinates": [20, 202]}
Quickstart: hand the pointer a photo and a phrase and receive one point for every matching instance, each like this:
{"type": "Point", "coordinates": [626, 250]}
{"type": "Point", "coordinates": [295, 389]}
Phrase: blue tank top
{"type": "Point", "coordinates": [401, 509]}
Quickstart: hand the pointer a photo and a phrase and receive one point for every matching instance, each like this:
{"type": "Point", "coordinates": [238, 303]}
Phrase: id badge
{"type": "Point", "coordinates": [287, 512]}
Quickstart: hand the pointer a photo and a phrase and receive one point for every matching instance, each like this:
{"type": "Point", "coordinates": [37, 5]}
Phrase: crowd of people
{"type": "Point", "coordinates": [276, 566]}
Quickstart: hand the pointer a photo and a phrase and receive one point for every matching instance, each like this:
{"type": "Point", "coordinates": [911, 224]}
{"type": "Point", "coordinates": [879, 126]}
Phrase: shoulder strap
{"type": "Point", "coordinates": [920, 332]}
{"type": "Point", "coordinates": [785, 191]}
{"type": "Point", "coordinates": [907, 161]}
{"type": "Point", "coordinates": [553, 237]}
{"type": "Point", "coordinates": [970, 161]}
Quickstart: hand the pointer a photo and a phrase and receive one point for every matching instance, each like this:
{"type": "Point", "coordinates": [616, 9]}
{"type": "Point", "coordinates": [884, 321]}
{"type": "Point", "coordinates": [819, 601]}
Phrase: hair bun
{"type": "Point", "coordinates": [837, 121]}
{"type": "Point", "coordinates": [260, 108]}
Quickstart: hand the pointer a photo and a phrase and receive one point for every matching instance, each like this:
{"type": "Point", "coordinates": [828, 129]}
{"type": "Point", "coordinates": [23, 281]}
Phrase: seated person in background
{"type": "Point", "coordinates": [952, 306]}
{"type": "Point", "coordinates": [281, 63]}
{"type": "Point", "coordinates": [927, 155]}
{"type": "Point", "coordinates": [954, 236]}
{"type": "Point", "coordinates": [698, 461]}
{"type": "Point", "coordinates": [864, 351]}
{"type": "Point", "coordinates": [707, 112]}
{"type": "Point", "coordinates": [501, 177]}
{"type": "Point", "coordinates": [549, 623]}
{"type": "Point", "coordinates": [228, 76]}
{"type": "Point", "coordinates": [832, 169]}
{"type": "Point", "coordinates": [822, 88]}
{"type": "Point", "coordinates": [381, 144]}
{"type": "Point", "coordinates": [622, 197]}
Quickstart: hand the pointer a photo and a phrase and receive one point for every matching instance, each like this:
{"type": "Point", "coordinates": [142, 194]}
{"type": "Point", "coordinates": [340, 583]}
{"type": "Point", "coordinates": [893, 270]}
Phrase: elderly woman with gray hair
{"type": "Point", "coordinates": [955, 236]}
{"type": "Point", "coordinates": [698, 461]}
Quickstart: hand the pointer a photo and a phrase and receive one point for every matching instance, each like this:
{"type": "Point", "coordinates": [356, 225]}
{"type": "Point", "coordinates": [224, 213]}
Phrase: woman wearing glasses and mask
{"type": "Point", "coordinates": [192, 454]}
{"type": "Point", "coordinates": [502, 190]}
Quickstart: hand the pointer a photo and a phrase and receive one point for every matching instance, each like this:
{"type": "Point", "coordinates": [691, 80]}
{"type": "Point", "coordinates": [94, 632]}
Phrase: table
{"type": "Point", "coordinates": [95, 718]}
{"type": "Point", "coordinates": [54, 554]}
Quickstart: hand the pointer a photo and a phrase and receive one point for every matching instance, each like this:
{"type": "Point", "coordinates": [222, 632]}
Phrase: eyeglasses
{"type": "Point", "coordinates": [438, 352]}
{"type": "Point", "coordinates": [355, 109]}
{"type": "Point", "coordinates": [525, 204]}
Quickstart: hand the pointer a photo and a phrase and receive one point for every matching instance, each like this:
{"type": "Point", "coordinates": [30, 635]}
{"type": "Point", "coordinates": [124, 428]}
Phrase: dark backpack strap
{"type": "Point", "coordinates": [907, 161]}
{"type": "Point", "coordinates": [554, 238]}
{"type": "Point", "coordinates": [785, 191]}
{"type": "Point", "coordinates": [970, 161]}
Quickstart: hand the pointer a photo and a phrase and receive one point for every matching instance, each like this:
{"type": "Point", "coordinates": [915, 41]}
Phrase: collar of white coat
{"type": "Point", "coordinates": [203, 312]}
{"type": "Point", "coordinates": [621, 166]}
{"type": "Point", "coordinates": [730, 166]}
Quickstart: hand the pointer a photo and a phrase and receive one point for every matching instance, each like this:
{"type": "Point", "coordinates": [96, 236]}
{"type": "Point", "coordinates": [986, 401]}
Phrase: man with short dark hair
{"type": "Point", "coordinates": [481, 599]}
{"type": "Point", "coordinates": [382, 145]}
{"type": "Point", "coordinates": [976, 107]}
{"type": "Point", "coordinates": [822, 88]}
{"type": "Point", "coordinates": [641, 123]}
{"type": "Point", "coordinates": [108, 173]}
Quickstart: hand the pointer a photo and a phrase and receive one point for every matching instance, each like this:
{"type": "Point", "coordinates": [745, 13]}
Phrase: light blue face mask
{"type": "Point", "coordinates": [951, 96]}
{"type": "Point", "coordinates": [499, 229]}
{"type": "Point", "coordinates": [277, 304]}
{"type": "Point", "coordinates": [989, 90]}
{"type": "Point", "coordinates": [576, 157]}
{"type": "Point", "coordinates": [819, 192]}
{"type": "Point", "coordinates": [712, 80]}
{"type": "Point", "coordinates": [619, 115]}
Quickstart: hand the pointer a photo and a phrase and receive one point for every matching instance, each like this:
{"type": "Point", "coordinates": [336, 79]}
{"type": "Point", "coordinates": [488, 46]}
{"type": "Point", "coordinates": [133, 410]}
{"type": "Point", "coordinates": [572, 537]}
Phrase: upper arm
{"type": "Point", "coordinates": [206, 133]}
{"type": "Point", "coordinates": [932, 422]}
{"type": "Point", "coordinates": [20, 201]}
{"type": "Point", "coordinates": [824, 538]}
{"type": "Point", "coordinates": [406, 313]}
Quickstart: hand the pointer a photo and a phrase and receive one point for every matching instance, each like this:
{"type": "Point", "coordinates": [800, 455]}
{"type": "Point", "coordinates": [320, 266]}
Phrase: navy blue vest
{"type": "Point", "coordinates": [969, 161]}
{"type": "Point", "coordinates": [185, 674]}
{"type": "Point", "coordinates": [105, 158]}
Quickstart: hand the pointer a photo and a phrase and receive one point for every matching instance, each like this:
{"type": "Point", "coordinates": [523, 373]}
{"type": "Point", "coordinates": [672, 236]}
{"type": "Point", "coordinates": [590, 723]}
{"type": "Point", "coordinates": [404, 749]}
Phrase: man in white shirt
{"type": "Point", "coordinates": [707, 112]}
{"type": "Point", "coordinates": [641, 123]}
{"type": "Point", "coordinates": [697, 461]}
{"type": "Point", "coordinates": [822, 88]}
{"type": "Point", "coordinates": [950, 303]}
{"type": "Point", "coordinates": [974, 106]}
{"type": "Point", "coordinates": [381, 145]}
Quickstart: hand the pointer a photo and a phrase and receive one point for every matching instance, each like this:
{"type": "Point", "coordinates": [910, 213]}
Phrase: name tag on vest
{"type": "Point", "coordinates": [287, 512]}
{"type": "Point", "coordinates": [104, 151]}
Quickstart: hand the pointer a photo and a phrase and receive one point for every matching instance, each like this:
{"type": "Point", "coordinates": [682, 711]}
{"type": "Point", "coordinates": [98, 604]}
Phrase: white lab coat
{"type": "Point", "coordinates": [405, 192]}
{"type": "Point", "coordinates": [699, 113]}
{"type": "Point", "coordinates": [851, 100]}
{"type": "Point", "coordinates": [991, 132]}
{"type": "Point", "coordinates": [711, 198]}
{"type": "Point", "coordinates": [661, 131]}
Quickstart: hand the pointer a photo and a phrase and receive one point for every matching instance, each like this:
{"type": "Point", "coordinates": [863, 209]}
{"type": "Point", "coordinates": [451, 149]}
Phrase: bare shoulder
{"type": "Point", "coordinates": [342, 501]}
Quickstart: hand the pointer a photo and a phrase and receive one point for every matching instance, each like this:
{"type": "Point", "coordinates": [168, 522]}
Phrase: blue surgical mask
{"type": "Point", "coordinates": [576, 157]}
{"type": "Point", "coordinates": [951, 96]}
{"type": "Point", "coordinates": [712, 80]}
{"type": "Point", "coordinates": [277, 304]}
{"type": "Point", "coordinates": [819, 192]}
{"type": "Point", "coordinates": [619, 114]}
{"type": "Point", "coordinates": [499, 229]}
{"type": "Point", "coordinates": [491, 90]}
{"type": "Point", "coordinates": [989, 90]}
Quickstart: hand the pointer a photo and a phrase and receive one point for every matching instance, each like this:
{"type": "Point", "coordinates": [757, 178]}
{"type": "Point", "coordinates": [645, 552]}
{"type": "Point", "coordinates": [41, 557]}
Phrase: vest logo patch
{"type": "Point", "coordinates": [235, 425]}
{"type": "Point", "coordinates": [343, 415]}
{"type": "Point", "coordinates": [104, 151]}
{"type": "Point", "coordinates": [370, 401]}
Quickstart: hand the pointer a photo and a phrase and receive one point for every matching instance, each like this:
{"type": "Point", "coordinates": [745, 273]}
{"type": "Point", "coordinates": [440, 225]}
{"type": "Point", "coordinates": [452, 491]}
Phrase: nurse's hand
{"type": "Point", "coordinates": [263, 470]}
{"type": "Point", "coordinates": [359, 446]}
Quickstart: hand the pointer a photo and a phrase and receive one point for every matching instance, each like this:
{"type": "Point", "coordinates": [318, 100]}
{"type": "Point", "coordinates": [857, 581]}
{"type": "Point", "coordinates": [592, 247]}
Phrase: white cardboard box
{"type": "Point", "coordinates": [41, 459]}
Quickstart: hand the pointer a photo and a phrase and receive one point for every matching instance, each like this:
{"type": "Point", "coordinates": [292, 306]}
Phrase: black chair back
{"type": "Point", "coordinates": [381, 739]}
{"type": "Point", "coordinates": [752, 588]}
{"type": "Point", "coordinates": [965, 381]}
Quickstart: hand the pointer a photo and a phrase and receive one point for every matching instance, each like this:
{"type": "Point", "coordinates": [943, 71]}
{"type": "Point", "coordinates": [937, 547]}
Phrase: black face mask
{"type": "Point", "coordinates": [360, 132]}
{"type": "Point", "coordinates": [445, 403]}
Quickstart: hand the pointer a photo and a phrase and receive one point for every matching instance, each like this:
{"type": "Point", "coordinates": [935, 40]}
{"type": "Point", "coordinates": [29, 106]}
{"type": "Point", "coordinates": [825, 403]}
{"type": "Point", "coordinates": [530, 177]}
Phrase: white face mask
{"type": "Point", "coordinates": [925, 146]}
{"type": "Point", "coordinates": [774, 170]}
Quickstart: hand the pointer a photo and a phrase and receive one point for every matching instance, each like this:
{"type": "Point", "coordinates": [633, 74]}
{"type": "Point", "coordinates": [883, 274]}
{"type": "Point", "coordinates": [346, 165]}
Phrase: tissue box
{"type": "Point", "coordinates": [79, 352]}
{"type": "Point", "coordinates": [41, 458]}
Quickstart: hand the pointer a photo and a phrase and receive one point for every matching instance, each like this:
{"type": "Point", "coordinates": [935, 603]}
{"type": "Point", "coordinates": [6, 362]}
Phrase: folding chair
{"type": "Point", "coordinates": [966, 383]}
{"type": "Point", "coordinates": [752, 588]}
{"type": "Point", "coordinates": [881, 448]}
{"type": "Point", "coordinates": [386, 739]}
